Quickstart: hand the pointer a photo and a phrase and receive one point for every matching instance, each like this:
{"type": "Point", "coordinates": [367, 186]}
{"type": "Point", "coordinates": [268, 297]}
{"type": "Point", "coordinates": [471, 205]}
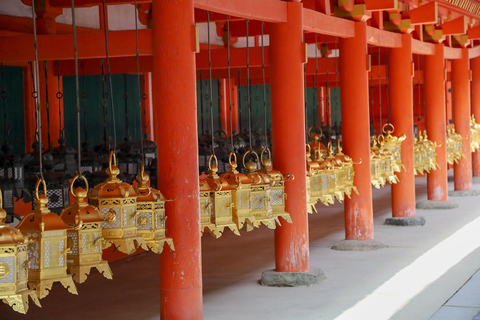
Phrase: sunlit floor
{"type": "Point", "coordinates": [422, 268]}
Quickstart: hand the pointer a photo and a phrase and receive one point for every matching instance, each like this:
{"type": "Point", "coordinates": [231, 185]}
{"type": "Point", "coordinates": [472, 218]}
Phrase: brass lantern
{"type": "Point", "coordinates": [117, 202]}
{"type": "Point", "coordinates": [85, 238]}
{"type": "Point", "coordinates": [431, 162]}
{"type": "Point", "coordinates": [311, 171]}
{"type": "Point", "coordinates": [336, 184]}
{"type": "Point", "coordinates": [394, 146]}
{"type": "Point", "coordinates": [386, 163]}
{"type": "Point", "coordinates": [47, 247]}
{"type": "Point", "coordinates": [216, 203]}
{"type": "Point", "coordinates": [277, 183]}
{"type": "Point", "coordinates": [317, 148]}
{"type": "Point", "coordinates": [260, 193]}
{"type": "Point", "coordinates": [474, 134]}
{"type": "Point", "coordinates": [375, 165]}
{"type": "Point", "coordinates": [240, 183]}
{"type": "Point", "coordinates": [348, 172]}
{"type": "Point", "coordinates": [151, 214]}
{"type": "Point", "coordinates": [14, 267]}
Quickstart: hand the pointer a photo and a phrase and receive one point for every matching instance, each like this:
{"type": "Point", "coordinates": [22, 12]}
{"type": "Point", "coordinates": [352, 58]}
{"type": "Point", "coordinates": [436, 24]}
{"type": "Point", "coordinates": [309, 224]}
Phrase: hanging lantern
{"type": "Point", "coordinates": [216, 203]}
{"type": "Point", "coordinates": [386, 163]}
{"type": "Point", "coordinates": [151, 214]}
{"type": "Point", "coordinates": [336, 184]}
{"type": "Point", "coordinates": [240, 184]}
{"type": "Point", "coordinates": [277, 183]}
{"type": "Point", "coordinates": [128, 160]}
{"type": "Point", "coordinates": [319, 172]}
{"type": "Point", "coordinates": [117, 203]}
{"type": "Point", "coordinates": [431, 153]}
{"type": "Point", "coordinates": [348, 172]}
{"type": "Point", "coordinates": [90, 161]}
{"type": "Point", "coordinates": [64, 158]}
{"type": "Point", "coordinates": [317, 148]}
{"type": "Point", "coordinates": [474, 134]}
{"type": "Point", "coordinates": [394, 146]}
{"type": "Point", "coordinates": [260, 193]}
{"type": "Point", "coordinates": [11, 166]}
{"type": "Point", "coordinates": [312, 171]}
{"type": "Point", "coordinates": [14, 267]}
{"type": "Point", "coordinates": [84, 239]}
{"type": "Point", "coordinates": [375, 165]}
{"type": "Point", "coordinates": [47, 247]}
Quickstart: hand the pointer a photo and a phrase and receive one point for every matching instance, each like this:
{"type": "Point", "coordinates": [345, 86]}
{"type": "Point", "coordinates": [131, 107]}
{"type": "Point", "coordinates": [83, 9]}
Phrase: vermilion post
{"type": "Point", "coordinates": [288, 136]}
{"type": "Point", "coordinates": [461, 118]}
{"type": "Point", "coordinates": [437, 180]}
{"type": "Point", "coordinates": [176, 135]}
{"type": "Point", "coordinates": [475, 66]}
{"type": "Point", "coordinates": [401, 115]}
{"type": "Point", "coordinates": [356, 131]}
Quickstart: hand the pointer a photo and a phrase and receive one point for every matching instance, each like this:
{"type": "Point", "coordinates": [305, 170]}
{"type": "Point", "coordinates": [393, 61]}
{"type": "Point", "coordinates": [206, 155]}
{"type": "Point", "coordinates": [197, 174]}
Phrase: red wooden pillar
{"type": "Point", "coordinates": [437, 181]}
{"type": "Point", "coordinates": [356, 133]}
{"type": "Point", "coordinates": [461, 118]}
{"type": "Point", "coordinates": [175, 109]}
{"type": "Point", "coordinates": [475, 66]}
{"type": "Point", "coordinates": [401, 115]}
{"type": "Point", "coordinates": [288, 136]}
{"type": "Point", "coordinates": [229, 99]}
{"type": "Point", "coordinates": [224, 106]}
{"type": "Point", "coordinates": [29, 109]}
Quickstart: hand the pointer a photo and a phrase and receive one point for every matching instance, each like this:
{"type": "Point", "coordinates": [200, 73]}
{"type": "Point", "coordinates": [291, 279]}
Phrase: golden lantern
{"type": "Point", "coordinates": [151, 214]}
{"type": "Point", "coordinates": [375, 165]}
{"type": "Point", "coordinates": [85, 239]}
{"type": "Point", "coordinates": [117, 202]}
{"type": "Point", "coordinates": [474, 134]}
{"type": "Point", "coordinates": [47, 247]}
{"type": "Point", "coordinates": [317, 148]}
{"type": "Point", "coordinates": [240, 184]}
{"type": "Point", "coordinates": [386, 163]}
{"type": "Point", "coordinates": [348, 172]}
{"type": "Point", "coordinates": [216, 203]}
{"type": "Point", "coordinates": [260, 194]}
{"type": "Point", "coordinates": [394, 146]}
{"type": "Point", "coordinates": [335, 182]}
{"type": "Point", "coordinates": [14, 267]}
{"type": "Point", "coordinates": [419, 154]}
{"type": "Point", "coordinates": [277, 183]}
{"type": "Point", "coordinates": [431, 152]}
{"type": "Point", "coordinates": [458, 145]}
{"type": "Point", "coordinates": [312, 171]}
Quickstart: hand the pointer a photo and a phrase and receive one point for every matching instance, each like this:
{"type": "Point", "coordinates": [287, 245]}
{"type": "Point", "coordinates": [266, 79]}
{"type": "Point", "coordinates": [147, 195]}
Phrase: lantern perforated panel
{"type": "Point", "coordinates": [277, 197]}
{"type": "Point", "coordinates": [46, 260]}
{"type": "Point", "coordinates": [7, 270]}
{"type": "Point", "coordinates": [258, 202]}
{"type": "Point", "coordinates": [107, 225]}
{"type": "Point", "coordinates": [144, 221]}
{"type": "Point", "coordinates": [33, 253]}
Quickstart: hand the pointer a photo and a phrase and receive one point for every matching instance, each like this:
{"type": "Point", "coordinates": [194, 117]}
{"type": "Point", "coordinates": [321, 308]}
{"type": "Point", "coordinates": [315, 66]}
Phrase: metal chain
{"type": "Point", "coordinates": [387, 84]}
{"type": "Point", "coordinates": [84, 97]}
{"type": "Point", "coordinates": [142, 151]}
{"type": "Point", "coordinates": [77, 93]}
{"type": "Point", "coordinates": [249, 97]}
{"type": "Point", "coordinates": [229, 83]}
{"type": "Point", "coordinates": [210, 81]}
{"type": "Point", "coordinates": [47, 102]}
{"type": "Point", "coordinates": [109, 77]}
{"type": "Point", "coordinates": [380, 88]}
{"type": "Point", "coordinates": [59, 96]}
{"type": "Point", "coordinates": [264, 86]}
{"type": "Point", "coordinates": [36, 94]}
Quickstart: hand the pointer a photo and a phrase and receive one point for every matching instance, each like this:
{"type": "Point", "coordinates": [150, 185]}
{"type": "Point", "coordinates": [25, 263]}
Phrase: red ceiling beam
{"type": "Point", "coordinates": [425, 14]}
{"type": "Point", "coordinates": [119, 65]}
{"type": "Point", "coordinates": [424, 48]}
{"type": "Point", "coordinates": [265, 10]}
{"type": "Point", "coordinates": [455, 26]}
{"type": "Point", "coordinates": [90, 45]}
{"type": "Point", "coordinates": [381, 38]}
{"type": "Point", "coordinates": [89, 3]}
{"type": "Point", "coordinates": [238, 58]}
{"type": "Point", "coordinates": [314, 21]}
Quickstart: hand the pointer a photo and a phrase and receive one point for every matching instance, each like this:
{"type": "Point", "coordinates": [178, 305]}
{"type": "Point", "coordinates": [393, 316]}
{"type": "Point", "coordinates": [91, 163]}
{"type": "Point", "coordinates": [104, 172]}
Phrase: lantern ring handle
{"type": "Point", "coordinates": [59, 95]}
{"type": "Point", "coordinates": [310, 131]}
{"type": "Point", "coordinates": [212, 156]}
{"type": "Point", "coordinates": [269, 153]}
{"type": "Point", "coordinates": [73, 181]}
{"type": "Point", "coordinates": [386, 125]}
{"type": "Point", "coordinates": [112, 155]}
{"type": "Point", "coordinates": [309, 148]}
{"type": "Point", "coordinates": [34, 94]}
{"type": "Point", "coordinates": [230, 158]}
{"type": "Point", "coordinates": [245, 155]}
{"type": "Point", "coordinates": [381, 136]}
{"type": "Point", "coordinates": [44, 188]}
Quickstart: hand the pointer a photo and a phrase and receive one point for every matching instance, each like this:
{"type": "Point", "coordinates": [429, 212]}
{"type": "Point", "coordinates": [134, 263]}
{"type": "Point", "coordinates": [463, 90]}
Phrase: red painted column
{"type": "Point", "coordinates": [401, 116]}
{"type": "Point", "coordinates": [461, 118]}
{"type": "Point", "coordinates": [288, 136]}
{"type": "Point", "coordinates": [475, 66]}
{"type": "Point", "coordinates": [356, 131]}
{"type": "Point", "coordinates": [437, 180]}
{"type": "Point", "coordinates": [29, 109]}
{"type": "Point", "coordinates": [176, 135]}
{"type": "Point", "coordinates": [224, 107]}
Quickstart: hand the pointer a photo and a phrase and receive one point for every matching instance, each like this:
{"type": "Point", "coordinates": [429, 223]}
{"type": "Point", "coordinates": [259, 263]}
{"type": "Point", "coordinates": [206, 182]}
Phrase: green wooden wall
{"type": "Point", "coordinates": [91, 114]}
{"type": "Point", "coordinates": [203, 106]}
{"type": "Point", "coordinates": [12, 126]}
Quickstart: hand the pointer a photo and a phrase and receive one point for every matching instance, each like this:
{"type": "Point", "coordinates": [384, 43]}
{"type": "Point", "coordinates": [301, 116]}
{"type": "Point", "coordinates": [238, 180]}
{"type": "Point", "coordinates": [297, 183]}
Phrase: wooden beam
{"type": "Point", "coordinates": [474, 33]}
{"type": "Point", "coordinates": [424, 14]}
{"type": "Point", "coordinates": [455, 26]}
{"type": "Point", "coordinates": [424, 48]}
{"type": "Point", "coordinates": [90, 45]}
{"type": "Point", "coordinates": [317, 22]}
{"type": "Point", "coordinates": [359, 13]}
{"type": "Point", "coordinates": [265, 10]}
{"type": "Point", "coordinates": [90, 3]}
{"type": "Point", "coordinates": [380, 5]}
{"type": "Point", "coordinates": [474, 52]}
{"type": "Point", "coordinates": [452, 53]}
{"type": "Point", "coordinates": [383, 38]}
{"type": "Point", "coordinates": [404, 26]}
{"type": "Point", "coordinates": [238, 58]}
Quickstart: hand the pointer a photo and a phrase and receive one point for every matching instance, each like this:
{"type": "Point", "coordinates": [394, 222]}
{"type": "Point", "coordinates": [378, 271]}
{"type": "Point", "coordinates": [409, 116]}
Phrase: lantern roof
{"type": "Point", "coordinates": [80, 210]}
{"type": "Point", "coordinates": [8, 235]}
{"type": "Point", "coordinates": [144, 191]}
{"type": "Point", "coordinates": [113, 187]}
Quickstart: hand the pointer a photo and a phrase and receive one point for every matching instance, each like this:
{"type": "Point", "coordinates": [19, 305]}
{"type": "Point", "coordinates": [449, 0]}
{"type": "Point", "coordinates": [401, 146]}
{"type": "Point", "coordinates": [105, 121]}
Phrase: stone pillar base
{"type": "Point", "coordinates": [272, 278]}
{"type": "Point", "coordinates": [405, 222]}
{"type": "Point", "coordinates": [476, 180]}
{"type": "Point", "coordinates": [359, 245]}
{"type": "Point", "coordinates": [466, 193]}
{"type": "Point", "coordinates": [433, 204]}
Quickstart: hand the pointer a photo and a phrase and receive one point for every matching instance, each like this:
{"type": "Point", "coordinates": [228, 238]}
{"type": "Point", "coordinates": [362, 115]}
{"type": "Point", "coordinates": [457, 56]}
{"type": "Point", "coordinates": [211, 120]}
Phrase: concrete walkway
{"type": "Point", "coordinates": [416, 277]}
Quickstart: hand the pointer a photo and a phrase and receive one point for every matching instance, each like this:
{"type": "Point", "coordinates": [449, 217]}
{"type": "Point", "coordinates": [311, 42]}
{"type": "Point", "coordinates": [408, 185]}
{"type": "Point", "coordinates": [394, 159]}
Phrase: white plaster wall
{"type": "Point", "coordinates": [122, 17]}
{"type": "Point", "coordinates": [15, 8]}
{"type": "Point", "coordinates": [87, 17]}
